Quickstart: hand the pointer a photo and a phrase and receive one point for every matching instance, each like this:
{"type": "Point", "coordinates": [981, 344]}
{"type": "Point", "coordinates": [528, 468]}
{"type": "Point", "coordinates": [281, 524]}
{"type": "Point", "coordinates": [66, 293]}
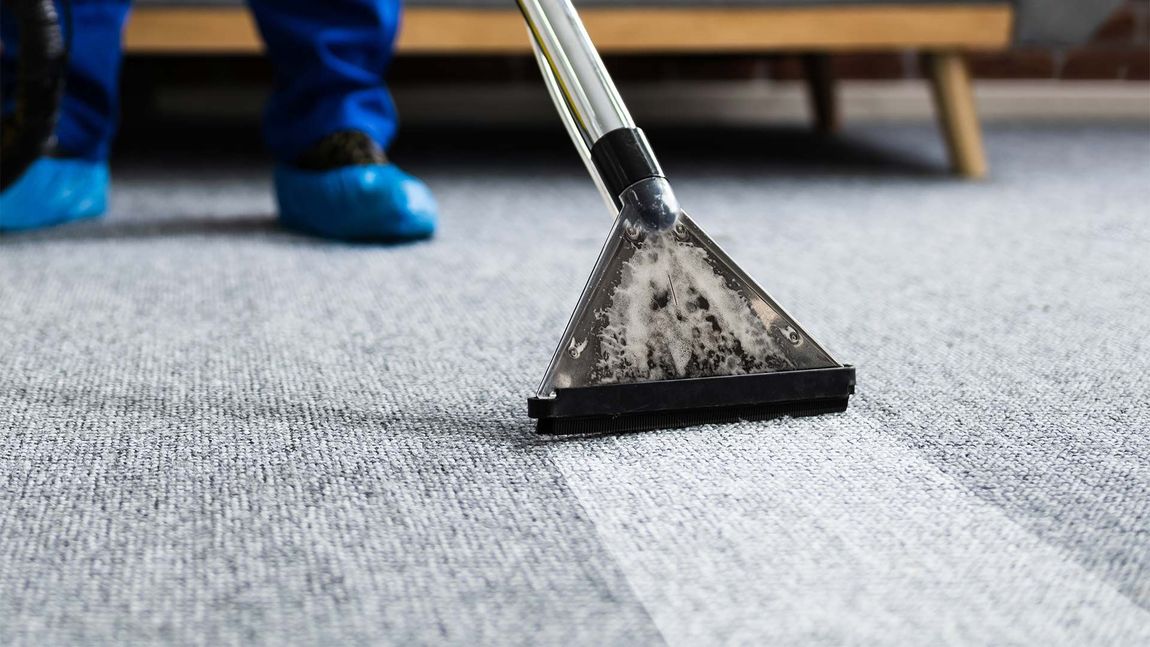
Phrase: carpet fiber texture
{"type": "Point", "coordinates": [216, 432]}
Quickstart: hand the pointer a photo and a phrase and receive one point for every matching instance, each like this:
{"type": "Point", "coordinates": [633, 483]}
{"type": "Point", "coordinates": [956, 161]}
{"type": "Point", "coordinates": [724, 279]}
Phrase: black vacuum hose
{"type": "Point", "coordinates": [29, 131]}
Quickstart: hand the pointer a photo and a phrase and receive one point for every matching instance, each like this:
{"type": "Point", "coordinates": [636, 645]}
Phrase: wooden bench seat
{"type": "Point", "coordinates": [942, 32]}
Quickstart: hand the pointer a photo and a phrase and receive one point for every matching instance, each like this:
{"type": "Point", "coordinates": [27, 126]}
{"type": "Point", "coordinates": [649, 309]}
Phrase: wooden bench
{"type": "Point", "coordinates": [940, 32]}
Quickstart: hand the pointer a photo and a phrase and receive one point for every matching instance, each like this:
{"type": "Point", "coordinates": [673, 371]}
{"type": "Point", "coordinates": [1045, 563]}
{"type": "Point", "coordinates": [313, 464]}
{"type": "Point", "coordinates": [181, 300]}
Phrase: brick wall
{"type": "Point", "coordinates": [1119, 49]}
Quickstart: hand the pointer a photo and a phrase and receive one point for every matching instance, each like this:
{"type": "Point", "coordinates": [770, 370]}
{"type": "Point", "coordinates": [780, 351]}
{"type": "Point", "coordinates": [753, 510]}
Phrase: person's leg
{"type": "Point", "coordinates": [330, 118]}
{"type": "Point", "coordinates": [72, 183]}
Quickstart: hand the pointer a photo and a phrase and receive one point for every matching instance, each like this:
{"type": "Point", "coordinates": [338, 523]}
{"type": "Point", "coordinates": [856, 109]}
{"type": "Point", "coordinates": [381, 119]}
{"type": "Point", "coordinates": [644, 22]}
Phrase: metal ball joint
{"type": "Point", "coordinates": [631, 231]}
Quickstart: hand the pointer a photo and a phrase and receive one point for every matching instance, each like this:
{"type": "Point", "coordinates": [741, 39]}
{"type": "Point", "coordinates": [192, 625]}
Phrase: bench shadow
{"type": "Point", "coordinates": [241, 226]}
{"type": "Point", "coordinates": [94, 230]}
{"type": "Point", "coordinates": [772, 151]}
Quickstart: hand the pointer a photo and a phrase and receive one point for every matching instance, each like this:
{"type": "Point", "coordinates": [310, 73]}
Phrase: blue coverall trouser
{"type": "Point", "coordinates": [329, 59]}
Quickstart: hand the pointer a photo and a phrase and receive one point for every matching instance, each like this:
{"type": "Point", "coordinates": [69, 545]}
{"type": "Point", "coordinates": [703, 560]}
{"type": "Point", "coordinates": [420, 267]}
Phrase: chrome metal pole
{"type": "Point", "coordinates": [587, 89]}
{"type": "Point", "coordinates": [572, 127]}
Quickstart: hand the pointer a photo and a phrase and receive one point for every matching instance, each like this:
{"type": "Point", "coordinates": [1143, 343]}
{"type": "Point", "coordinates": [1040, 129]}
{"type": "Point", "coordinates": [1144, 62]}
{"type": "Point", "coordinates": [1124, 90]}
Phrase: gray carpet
{"type": "Point", "coordinates": [215, 432]}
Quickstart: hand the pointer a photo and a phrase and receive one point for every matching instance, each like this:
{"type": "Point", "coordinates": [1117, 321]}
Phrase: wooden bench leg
{"type": "Point", "coordinates": [821, 92]}
{"type": "Point", "coordinates": [954, 101]}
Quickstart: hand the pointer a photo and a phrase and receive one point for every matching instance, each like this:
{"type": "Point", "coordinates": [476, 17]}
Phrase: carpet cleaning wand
{"type": "Point", "coordinates": [668, 332]}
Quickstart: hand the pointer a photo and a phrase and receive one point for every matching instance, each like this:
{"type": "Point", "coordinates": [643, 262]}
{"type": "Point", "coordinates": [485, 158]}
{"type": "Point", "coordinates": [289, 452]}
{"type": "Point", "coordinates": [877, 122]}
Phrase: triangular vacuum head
{"type": "Point", "coordinates": [669, 332]}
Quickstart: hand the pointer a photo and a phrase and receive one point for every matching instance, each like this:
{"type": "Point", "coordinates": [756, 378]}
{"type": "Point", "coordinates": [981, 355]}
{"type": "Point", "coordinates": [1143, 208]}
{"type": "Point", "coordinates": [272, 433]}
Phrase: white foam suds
{"type": "Point", "coordinates": [673, 316]}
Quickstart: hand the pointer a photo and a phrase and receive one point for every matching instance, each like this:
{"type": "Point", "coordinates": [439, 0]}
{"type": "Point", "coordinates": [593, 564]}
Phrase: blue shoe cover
{"type": "Point", "coordinates": [368, 202]}
{"type": "Point", "coordinates": [54, 191]}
